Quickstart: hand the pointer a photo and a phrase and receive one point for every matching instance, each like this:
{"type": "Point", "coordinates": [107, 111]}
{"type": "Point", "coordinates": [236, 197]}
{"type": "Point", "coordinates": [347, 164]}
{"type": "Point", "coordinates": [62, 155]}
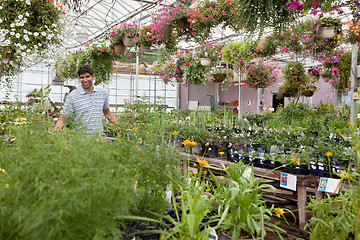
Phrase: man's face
{"type": "Point", "coordinates": [87, 80]}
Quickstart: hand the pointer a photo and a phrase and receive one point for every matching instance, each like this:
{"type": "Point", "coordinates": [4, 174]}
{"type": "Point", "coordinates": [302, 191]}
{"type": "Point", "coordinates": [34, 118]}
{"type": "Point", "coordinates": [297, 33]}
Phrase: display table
{"type": "Point", "coordinates": [305, 183]}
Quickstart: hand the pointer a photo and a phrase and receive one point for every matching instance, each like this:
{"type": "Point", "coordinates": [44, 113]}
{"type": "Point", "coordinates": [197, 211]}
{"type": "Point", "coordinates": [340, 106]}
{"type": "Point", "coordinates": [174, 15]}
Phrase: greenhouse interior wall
{"type": "Point", "coordinates": [122, 87]}
{"type": "Point", "coordinates": [267, 99]}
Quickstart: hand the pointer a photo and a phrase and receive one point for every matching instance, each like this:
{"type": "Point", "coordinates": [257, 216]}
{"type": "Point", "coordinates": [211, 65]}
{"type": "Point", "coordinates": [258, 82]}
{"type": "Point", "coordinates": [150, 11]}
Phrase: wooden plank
{"type": "Point", "coordinates": [302, 197]}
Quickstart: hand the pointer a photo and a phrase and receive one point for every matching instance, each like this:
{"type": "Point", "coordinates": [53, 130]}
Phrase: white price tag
{"type": "Point", "coordinates": [288, 181]}
{"type": "Point", "coordinates": [330, 185]}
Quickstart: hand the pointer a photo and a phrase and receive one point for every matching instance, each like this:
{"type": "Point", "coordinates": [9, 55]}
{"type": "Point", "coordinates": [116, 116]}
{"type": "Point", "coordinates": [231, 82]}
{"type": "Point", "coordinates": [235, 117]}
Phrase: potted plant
{"type": "Point", "coordinates": [294, 76]}
{"type": "Point", "coordinates": [306, 30]}
{"type": "Point", "coordinates": [209, 54]}
{"type": "Point", "coordinates": [329, 27]}
{"type": "Point", "coordinates": [241, 211]}
{"type": "Point", "coordinates": [353, 35]}
{"type": "Point", "coordinates": [27, 29]}
{"type": "Point", "coordinates": [66, 67]}
{"type": "Point", "coordinates": [260, 75]}
{"type": "Point", "coordinates": [220, 74]}
{"type": "Point", "coordinates": [308, 90]}
{"type": "Point", "coordinates": [123, 35]}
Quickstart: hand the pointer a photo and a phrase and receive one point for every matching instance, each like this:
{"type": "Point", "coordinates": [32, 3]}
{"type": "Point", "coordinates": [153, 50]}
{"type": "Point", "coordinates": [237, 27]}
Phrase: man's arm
{"type": "Point", "coordinates": [108, 114]}
{"type": "Point", "coordinates": [60, 124]}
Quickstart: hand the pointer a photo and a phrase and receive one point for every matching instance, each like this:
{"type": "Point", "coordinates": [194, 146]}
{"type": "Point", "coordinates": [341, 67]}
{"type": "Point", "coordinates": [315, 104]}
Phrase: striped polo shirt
{"type": "Point", "coordinates": [86, 109]}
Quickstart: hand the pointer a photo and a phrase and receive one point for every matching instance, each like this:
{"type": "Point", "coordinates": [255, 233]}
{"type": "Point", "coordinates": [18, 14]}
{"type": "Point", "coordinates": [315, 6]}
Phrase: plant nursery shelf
{"type": "Point", "coordinates": [306, 184]}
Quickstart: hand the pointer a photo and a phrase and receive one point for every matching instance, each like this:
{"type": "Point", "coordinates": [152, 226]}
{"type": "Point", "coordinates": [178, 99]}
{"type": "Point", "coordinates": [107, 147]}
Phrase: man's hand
{"type": "Point", "coordinates": [60, 124]}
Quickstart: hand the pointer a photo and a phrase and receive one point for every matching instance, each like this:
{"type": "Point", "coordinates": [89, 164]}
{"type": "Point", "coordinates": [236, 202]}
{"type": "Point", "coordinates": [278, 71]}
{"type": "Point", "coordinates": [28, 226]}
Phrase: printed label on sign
{"type": "Point", "coordinates": [288, 181]}
{"type": "Point", "coordinates": [330, 185]}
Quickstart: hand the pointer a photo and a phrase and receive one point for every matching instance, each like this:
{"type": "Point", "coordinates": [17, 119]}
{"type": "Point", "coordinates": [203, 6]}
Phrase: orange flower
{"type": "Point", "coordinates": [349, 123]}
{"type": "Point", "coordinates": [227, 168]}
{"type": "Point", "coordinates": [328, 154]}
{"type": "Point", "coordinates": [203, 163]}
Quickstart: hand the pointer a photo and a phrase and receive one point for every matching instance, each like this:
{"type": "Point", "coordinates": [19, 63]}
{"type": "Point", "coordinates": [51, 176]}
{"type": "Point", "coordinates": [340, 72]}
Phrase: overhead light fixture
{"type": "Point", "coordinates": [82, 37]}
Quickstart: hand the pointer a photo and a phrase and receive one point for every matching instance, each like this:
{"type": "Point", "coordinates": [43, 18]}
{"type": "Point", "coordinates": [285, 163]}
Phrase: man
{"type": "Point", "coordinates": [86, 104]}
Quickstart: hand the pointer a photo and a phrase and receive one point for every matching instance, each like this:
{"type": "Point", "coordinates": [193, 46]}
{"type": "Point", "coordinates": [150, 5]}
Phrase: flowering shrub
{"type": "Point", "coordinates": [26, 27]}
{"type": "Point", "coordinates": [295, 78]}
{"type": "Point", "coordinates": [260, 75]}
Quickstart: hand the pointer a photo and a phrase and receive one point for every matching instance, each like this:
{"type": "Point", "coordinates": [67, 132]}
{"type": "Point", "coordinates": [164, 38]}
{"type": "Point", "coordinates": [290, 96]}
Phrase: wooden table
{"type": "Point", "coordinates": [305, 183]}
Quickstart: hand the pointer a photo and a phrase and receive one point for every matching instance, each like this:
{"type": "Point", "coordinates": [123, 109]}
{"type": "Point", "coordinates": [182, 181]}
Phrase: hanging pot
{"type": "Point", "coordinates": [205, 61]}
{"type": "Point", "coordinates": [326, 79]}
{"type": "Point", "coordinates": [183, 23]}
{"type": "Point", "coordinates": [120, 48]}
{"type": "Point", "coordinates": [307, 93]}
{"type": "Point", "coordinates": [328, 32]}
{"type": "Point", "coordinates": [218, 77]}
{"type": "Point", "coordinates": [128, 41]}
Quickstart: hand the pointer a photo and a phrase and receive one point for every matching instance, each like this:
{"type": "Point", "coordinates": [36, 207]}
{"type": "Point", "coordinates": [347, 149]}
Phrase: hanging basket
{"type": "Point", "coordinates": [205, 61]}
{"type": "Point", "coordinates": [128, 41]}
{"type": "Point", "coordinates": [326, 79]}
{"type": "Point", "coordinates": [328, 32]}
{"type": "Point", "coordinates": [309, 38]}
{"type": "Point", "coordinates": [120, 48]}
{"type": "Point", "coordinates": [307, 93]}
{"type": "Point", "coordinates": [218, 77]}
{"type": "Point", "coordinates": [183, 23]}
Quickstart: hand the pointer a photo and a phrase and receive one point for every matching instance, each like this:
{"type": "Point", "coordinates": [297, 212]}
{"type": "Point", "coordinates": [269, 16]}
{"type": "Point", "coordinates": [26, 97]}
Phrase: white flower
{"type": "Point", "coordinates": [26, 37]}
{"type": "Point", "coordinates": [12, 25]}
{"type": "Point", "coordinates": [39, 44]}
{"type": "Point", "coordinates": [12, 33]}
{"type": "Point", "coordinates": [27, 14]}
{"type": "Point", "coordinates": [43, 33]}
{"type": "Point", "coordinates": [1, 7]}
{"type": "Point", "coordinates": [20, 16]}
{"type": "Point", "coordinates": [17, 24]}
{"type": "Point", "coordinates": [25, 31]}
{"type": "Point", "coordinates": [17, 35]}
{"type": "Point", "coordinates": [28, 2]}
{"type": "Point", "coordinates": [36, 34]}
{"type": "Point", "coordinates": [1, 20]}
{"type": "Point", "coordinates": [35, 46]}
{"type": "Point", "coordinates": [28, 50]}
{"type": "Point", "coordinates": [23, 54]}
{"type": "Point", "coordinates": [21, 24]}
{"type": "Point", "coordinates": [18, 51]}
{"type": "Point", "coordinates": [48, 37]}
{"type": "Point", "coordinates": [7, 42]}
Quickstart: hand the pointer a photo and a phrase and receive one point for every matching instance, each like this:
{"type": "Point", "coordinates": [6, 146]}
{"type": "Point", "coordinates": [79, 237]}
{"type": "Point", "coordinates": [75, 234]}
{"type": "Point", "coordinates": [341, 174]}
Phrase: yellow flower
{"type": "Point", "coordinates": [345, 174]}
{"type": "Point", "coordinates": [206, 144]}
{"type": "Point", "coordinates": [3, 170]}
{"type": "Point", "coordinates": [279, 212]}
{"type": "Point", "coordinates": [188, 143]}
{"type": "Point", "coordinates": [98, 140]}
{"type": "Point", "coordinates": [328, 154]}
{"type": "Point", "coordinates": [221, 153]}
{"type": "Point", "coordinates": [203, 163]}
{"type": "Point", "coordinates": [349, 123]}
{"type": "Point", "coordinates": [7, 185]}
{"type": "Point", "coordinates": [221, 178]}
{"type": "Point", "coordinates": [67, 148]}
{"type": "Point", "coordinates": [19, 118]}
{"type": "Point", "coordinates": [175, 133]}
{"type": "Point", "coordinates": [195, 173]}
{"type": "Point", "coordinates": [227, 167]}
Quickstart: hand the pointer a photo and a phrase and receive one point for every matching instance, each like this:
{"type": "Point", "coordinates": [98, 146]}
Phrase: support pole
{"type": "Point", "coordinates": [137, 75]}
{"type": "Point", "coordinates": [240, 114]}
{"type": "Point", "coordinates": [258, 101]}
{"type": "Point", "coordinates": [353, 79]}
